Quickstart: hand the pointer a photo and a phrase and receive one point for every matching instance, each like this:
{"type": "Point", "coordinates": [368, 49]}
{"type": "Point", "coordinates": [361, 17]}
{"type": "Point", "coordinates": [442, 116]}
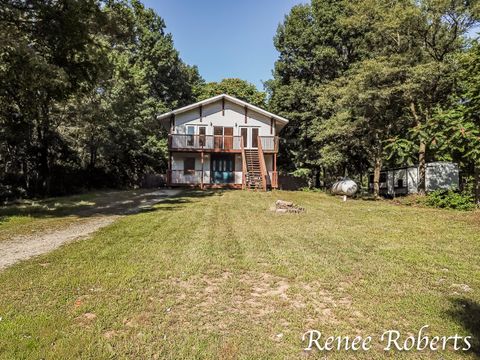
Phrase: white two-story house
{"type": "Point", "coordinates": [223, 142]}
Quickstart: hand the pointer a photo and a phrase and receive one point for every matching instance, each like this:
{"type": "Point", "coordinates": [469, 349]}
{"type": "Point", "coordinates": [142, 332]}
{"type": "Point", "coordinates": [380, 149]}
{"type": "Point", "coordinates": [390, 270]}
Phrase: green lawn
{"type": "Point", "coordinates": [217, 275]}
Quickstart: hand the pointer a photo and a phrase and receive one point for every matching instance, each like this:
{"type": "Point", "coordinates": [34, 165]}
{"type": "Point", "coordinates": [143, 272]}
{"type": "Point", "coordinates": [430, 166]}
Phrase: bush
{"type": "Point", "coordinates": [449, 199]}
{"type": "Point", "coordinates": [307, 189]}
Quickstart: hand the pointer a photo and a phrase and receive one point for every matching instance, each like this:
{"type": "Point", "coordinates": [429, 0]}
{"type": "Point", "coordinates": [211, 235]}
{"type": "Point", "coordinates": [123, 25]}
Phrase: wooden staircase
{"type": "Point", "coordinates": [253, 176]}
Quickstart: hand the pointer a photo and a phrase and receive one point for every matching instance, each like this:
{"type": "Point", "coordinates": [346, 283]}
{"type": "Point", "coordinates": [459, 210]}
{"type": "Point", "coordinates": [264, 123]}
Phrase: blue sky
{"type": "Point", "coordinates": [225, 38]}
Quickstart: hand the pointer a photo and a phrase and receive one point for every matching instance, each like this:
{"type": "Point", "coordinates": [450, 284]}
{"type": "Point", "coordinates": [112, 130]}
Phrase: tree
{"type": "Point", "coordinates": [457, 128]}
{"type": "Point", "coordinates": [471, 113]}
{"type": "Point", "coordinates": [48, 52]}
{"type": "Point", "coordinates": [439, 30]}
{"type": "Point", "coordinates": [368, 110]}
{"type": "Point", "coordinates": [238, 88]}
{"type": "Point", "coordinates": [147, 78]}
{"type": "Point", "coordinates": [314, 48]}
{"type": "Point", "coordinates": [81, 83]}
{"type": "Point", "coordinates": [368, 97]}
{"type": "Point", "coordinates": [424, 38]}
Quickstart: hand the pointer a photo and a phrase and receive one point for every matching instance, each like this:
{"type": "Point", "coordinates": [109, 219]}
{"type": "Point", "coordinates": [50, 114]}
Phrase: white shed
{"type": "Point", "coordinates": [404, 180]}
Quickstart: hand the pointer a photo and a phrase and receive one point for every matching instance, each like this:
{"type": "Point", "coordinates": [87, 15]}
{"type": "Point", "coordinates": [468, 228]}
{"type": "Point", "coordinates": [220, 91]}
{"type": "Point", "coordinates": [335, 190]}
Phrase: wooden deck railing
{"type": "Point", "coordinates": [269, 143]}
{"type": "Point", "coordinates": [204, 142]}
{"type": "Point", "coordinates": [193, 177]}
{"type": "Point", "coordinates": [218, 143]}
{"type": "Point", "coordinates": [263, 168]}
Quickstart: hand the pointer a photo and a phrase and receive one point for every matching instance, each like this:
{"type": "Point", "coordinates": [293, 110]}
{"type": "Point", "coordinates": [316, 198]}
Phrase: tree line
{"type": "Point", "coordinates": [372, 83]}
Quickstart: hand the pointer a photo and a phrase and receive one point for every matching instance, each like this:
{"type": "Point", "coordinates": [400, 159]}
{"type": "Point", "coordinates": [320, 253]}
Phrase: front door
{"type": "Point", "coordinates": [254, 139]}
{"type": "Point", "coordinates": [228, 137]}
{"type": "Point", "coordinates": [244, 135]}
{"type": "Point", "coordinates": [222, 167]}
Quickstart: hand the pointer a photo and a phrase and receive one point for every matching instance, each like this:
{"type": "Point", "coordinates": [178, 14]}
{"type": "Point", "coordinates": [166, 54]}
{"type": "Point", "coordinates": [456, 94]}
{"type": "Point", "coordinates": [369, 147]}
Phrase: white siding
{"type": "Point", "coordinates": [186, 118]}
{"type": "Point", "coordinates": [178, 176]}
{"type": "Point", "coordinates": [238, 169]}
{"type": "Point", "coordinates": [212, 116]}
{"type": "Point", "coordinates": [412, 180]}
{"type": "Point", "coordinates": [390, 182]}
{"type": "Point", "coordinates": [269, 162]}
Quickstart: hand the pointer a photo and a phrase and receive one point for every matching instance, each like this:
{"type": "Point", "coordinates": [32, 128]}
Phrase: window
{"type": "Point", "coordinates": [400, 183]}
{"type": "Point", "coordinates": [190, 137]}
{"type": "Point", "coordinates": [189, 166]}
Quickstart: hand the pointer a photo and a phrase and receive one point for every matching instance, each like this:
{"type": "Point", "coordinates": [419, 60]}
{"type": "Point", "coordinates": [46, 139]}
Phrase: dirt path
{"type": "Point", "coordinates": [89, 220]}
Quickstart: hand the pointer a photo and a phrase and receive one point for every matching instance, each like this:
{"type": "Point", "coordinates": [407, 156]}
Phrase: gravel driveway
{"type": "Point", "coordinates": [90, 220]}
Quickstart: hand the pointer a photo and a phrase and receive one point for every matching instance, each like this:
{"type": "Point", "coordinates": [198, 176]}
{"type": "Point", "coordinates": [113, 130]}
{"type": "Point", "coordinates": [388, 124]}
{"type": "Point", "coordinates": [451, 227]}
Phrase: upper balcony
{"type": "Point", "coordinates": [218, 143]}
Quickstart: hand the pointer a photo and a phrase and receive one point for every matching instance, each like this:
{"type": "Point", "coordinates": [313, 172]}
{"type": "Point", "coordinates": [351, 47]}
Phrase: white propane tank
{"type": "Point", "coordinates": [344, 187]}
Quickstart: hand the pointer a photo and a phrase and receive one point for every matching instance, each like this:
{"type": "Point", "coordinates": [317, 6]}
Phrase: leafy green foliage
{"type": "Point", "coordinates": [302, 173]}
{"type": "Point", "coordinates": [81, 83]}
{"type": "Point", "coordinates": [238, 88]}
{"type": "Point", "coordinates": [314, 49]}
{"type": "Point", "coordinates": [449, 199]}
{"type": "Point", "coordinates": [362, 81]}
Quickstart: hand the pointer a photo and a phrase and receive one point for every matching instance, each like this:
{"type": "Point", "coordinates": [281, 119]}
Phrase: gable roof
{"type": "Point", "coordinates": [220, 97]}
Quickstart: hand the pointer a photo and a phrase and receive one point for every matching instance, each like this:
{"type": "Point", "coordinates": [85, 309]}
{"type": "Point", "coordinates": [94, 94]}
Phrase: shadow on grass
{"type": "Point", "coordinates": [177, 202]}
{"type": "Point", "coordinates": [107, 203]}
{"type": "Point", "coordinates": [467, 313]}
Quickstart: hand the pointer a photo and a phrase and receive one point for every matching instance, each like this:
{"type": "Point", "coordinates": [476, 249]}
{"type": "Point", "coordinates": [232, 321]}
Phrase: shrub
{"type": "Point", "coordinates": [307, 189]}
{"type": "Point", "coordinates": [449, 199]}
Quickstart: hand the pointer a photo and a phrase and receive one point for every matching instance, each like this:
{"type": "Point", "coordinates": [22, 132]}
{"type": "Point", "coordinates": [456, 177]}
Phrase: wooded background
{"type": "Point", "coordinates": [365, 83]}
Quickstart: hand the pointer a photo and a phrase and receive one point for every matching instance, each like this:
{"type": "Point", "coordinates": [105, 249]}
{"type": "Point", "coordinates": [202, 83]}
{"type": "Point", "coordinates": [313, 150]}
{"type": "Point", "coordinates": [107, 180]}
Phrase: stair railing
{"type": "Point", "coordinates": [244, 165]}
{"type": "Point", "coordinates": [263, 168]}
